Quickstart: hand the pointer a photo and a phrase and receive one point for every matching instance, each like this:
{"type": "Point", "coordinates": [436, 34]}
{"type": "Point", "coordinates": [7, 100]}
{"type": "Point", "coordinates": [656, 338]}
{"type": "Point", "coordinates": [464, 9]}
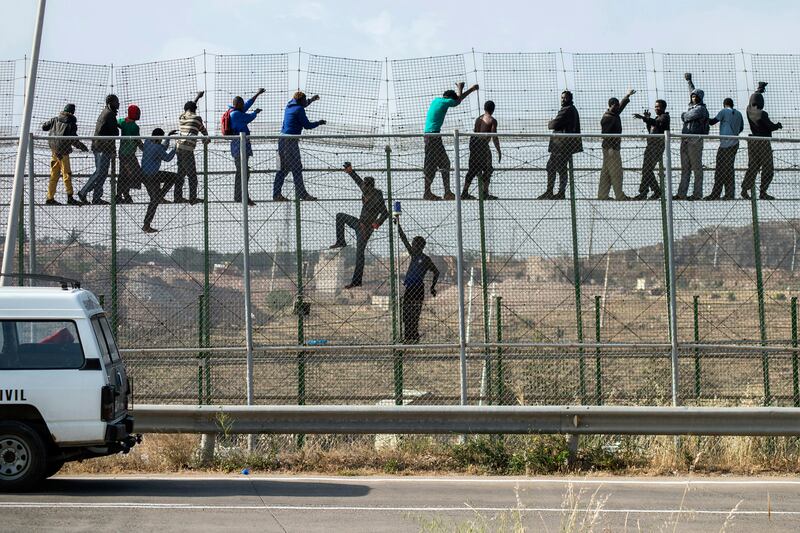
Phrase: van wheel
{"type": "Point", "coordinates": [23, 458]}
{"type": "Point", "coordinates": [53, 467]}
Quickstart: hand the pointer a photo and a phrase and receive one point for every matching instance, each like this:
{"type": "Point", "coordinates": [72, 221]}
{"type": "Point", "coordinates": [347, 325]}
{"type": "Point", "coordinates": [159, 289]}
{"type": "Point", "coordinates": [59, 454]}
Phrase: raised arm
{"type": "Point", "coordinates": [198, 96]}
{"type": "Point", "coordinates": [626, 100]}
{"type": "Point", "coordinates": [348, 168]}
{"type": "Point", "coordinates": [307, 124]}
{"type": "Point", "coordinates": [460, 92]}
{"type": "Point", "coordinates": [403, 237]}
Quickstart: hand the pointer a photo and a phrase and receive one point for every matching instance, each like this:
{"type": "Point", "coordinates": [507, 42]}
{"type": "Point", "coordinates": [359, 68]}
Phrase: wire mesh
{"type": "Point", "coordinates": [243, 75]}
{"type": "Point", "coordinates": [7, 83]}
{"type": "Point", "coordinates": [782, 72]}
{"type": "Point", "coordinates": [160, 89]}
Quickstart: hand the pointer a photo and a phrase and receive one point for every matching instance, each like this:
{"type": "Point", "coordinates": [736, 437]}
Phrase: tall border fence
{"type": "Point", "coordinates": [563, 301]}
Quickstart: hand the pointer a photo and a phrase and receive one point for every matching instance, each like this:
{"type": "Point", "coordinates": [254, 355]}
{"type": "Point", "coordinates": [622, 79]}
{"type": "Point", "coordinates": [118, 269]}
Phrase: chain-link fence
{"type": "Point", "coordinates": [563, 298]}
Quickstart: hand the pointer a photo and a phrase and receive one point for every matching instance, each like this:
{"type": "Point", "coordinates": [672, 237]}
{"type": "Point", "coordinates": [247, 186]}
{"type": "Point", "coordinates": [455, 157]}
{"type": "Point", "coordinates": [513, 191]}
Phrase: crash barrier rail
{"type": "Point", "coordinates": [539, 301]}
{"type": "Point", "coordinates": [573, 420]}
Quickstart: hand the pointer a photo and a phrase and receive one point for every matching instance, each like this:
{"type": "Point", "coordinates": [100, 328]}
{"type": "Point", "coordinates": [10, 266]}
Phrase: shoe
{"type": "Point", "coordinates": [119, 199]}
{"type": "Point", "coordinates": [72, 201]}
{"type": "Point", "coordinates": [765, 196]}
{"type": "Point", "coordinates": [711, 197]}
{"type": "Point", "coordinates": [694, 197]}
{"type": "Point", "coordinates": [352, 285]}
{"type": "Point", "coordinates": [308, 198]}
{"type": "Point", "coordinates": [467, 196]}
{"type": "Point", "coordinates": [127, 200]}
{"type": "Point", "coordinates": [604, 199]}
{"type": "Point", "coordinates": [430, 196]}
{"type": "Point", "coordinates": [728, 198]}
{"type": "Point", "coordinates": [560, 196]}
{"type": "Point", "coordinates": [449, 195]}
{"type": "Point", "coordinates": [250, 202]}
{"type": "Point", "coordinates": [624, 198]}
{"type": "Point", "coordinates": [52, 201]}
{"type": "Point", "coordinates": [83, 199]}
{"type": "Point", "coordinates": [336, 245]}
{"type": "Point", "coordinates": [546, 195]}
{"type": "Point", "coordinates": [195, 201]}
{"type": "Point", "coordinates": [164, 201]}
{"type": "Point", "coordinates": [280, 198]}
{"type": "Point", "coordinates": [640, 196]}
{"type": "Point", "coordinates": [149, 229]}
{"type": "Point", "coordinates": [180, 200]}
{"type": "Point", "coordinates": [490, 197]}
{"type": "Point", "coordinates": [656, 196]}
{"type": "Point", "coordinates": [679, 197]}
{"type": "Point", "coordinates": [99, 201]}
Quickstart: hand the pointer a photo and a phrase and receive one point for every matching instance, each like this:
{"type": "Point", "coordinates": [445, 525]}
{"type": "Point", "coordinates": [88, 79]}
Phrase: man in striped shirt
{"type": "Point", "coordinates": [190, 125]}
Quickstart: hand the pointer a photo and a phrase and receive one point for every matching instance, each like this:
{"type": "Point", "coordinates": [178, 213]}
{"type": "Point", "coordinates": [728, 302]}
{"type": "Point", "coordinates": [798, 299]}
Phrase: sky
{"type": "Point", "coordinates": [125, 32]}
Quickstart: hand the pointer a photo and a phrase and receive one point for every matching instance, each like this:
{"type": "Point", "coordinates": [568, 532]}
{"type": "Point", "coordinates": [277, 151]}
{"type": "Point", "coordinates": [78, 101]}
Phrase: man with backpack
{"type": "Point", "coordinates": [64, 125]}
{"type": "Point", "coordinates": [234, 122]}
{"type": "Point", "coordinates": [190, 125]}
{"type": "Point", "coordinates": [294, 122]}
{"type": "Point", "coordinates": [103, 151]}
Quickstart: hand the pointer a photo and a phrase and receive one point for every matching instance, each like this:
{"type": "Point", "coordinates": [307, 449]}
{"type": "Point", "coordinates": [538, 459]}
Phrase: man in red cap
{"type": "Point", "coordinates": [129, 170]}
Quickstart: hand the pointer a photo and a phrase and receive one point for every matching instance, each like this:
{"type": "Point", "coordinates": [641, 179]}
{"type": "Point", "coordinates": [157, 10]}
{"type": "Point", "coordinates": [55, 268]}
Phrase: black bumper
{"type": "Point", "coordinates": [119, 431]}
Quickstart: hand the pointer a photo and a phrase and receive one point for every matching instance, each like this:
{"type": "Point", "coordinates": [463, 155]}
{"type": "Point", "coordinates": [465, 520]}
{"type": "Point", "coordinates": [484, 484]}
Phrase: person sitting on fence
{"type": "Point", "coordinates": [373, 214]}
{"type": "Point", "coordinates": [435, 153]}
{"type": "Point", "coordinates": [153, 153]}
{"type": "Point", "coordinates": [611, 171]}
{"type": "Point", "coordinates": [295, 121]}
{"type": "Point", "coordinates": [654, 149]}
{"type": "Point", "coordinates": [190, 124]}
{"type": "Point", "coordinates": [480, 156]}
{"type": "Point", "coordinates": [561, 149]}
{"type": "Point", "coordinates": [730, 123]}
{"type": "Point", "coordinates": [237, 122]}
{"type": "Point", "coordinates": [103, 151]}
{"type": "Point", "coordinates": [695, 122]}
{"type": "Point", "coordinates": [414, 282]}
{"type": "Point", "coordinates": [64, 125]}
{"type": "Point", "coordinates": [130, 174]}
{"type": "Point", "coordinates": [759, 151]}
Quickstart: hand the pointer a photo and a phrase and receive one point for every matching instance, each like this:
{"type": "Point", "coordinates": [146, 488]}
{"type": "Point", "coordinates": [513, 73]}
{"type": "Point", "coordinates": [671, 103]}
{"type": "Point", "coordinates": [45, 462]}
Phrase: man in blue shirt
{"type": "Point", "coordinates": [294, 122]}
{"type": "Point", "coordinates": [154, 152]}
{"type": "Point", "coordinates": [731, 123]}
{"type": "Point", "coordinates": [435, 154]}
{"type": "Point", "coordinates": [414, 282]}
{"type": "Point", "coordinates": [239, 120]}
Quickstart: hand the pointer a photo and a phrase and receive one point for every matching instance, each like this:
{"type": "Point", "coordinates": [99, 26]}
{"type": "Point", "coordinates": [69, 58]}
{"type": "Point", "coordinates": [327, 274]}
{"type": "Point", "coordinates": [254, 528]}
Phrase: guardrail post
{"type": "Point", "coordinates": [32, 267]}
{"type": "Point", "coordinates": [576, 268]}
{"type": "Point", "coordinates": [485, 287]}
{"type": "Point", "coordinates": [762, 325]}
{"type": "Point", "coordinates": [696, 313]}
{"type": "Point", "coordinates": [598, 368]}
{"type": "Point", "coordinates": [669, 259]}
{"type": "Point", "coordinates": [462, 339]}
{"type": "Point", "coordinates": [795, 383]}
{"type": "Point", "coordinates": [397, 355]}
{"type": "Point", "coordinates": [114, 269]}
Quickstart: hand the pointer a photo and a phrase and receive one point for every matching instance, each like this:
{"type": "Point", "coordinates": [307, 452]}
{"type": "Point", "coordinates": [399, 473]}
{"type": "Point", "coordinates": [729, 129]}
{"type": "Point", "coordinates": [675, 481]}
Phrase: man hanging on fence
{"type": "Point", "coordinates": [759, 150]}
{"type": "Point", "coordinates": [611, 172]}
{"type": "Point", "coordinates": [234, 122]}
{"type": "Point", "coordinates": [295, 121]}
{"type": "Point", "coordinates": [435, 154]}
{"type": "Point", "coordinates": [153, 153]}
{"type": "Point", "coordinates": [653, 150]}
{"type": "Point", "coordinates": [103, 150]}
{"type": "Point", "coordinates": [480, 156]}
{"type": "Point", "coordinates": [190, 124]}
{"type": "Point", "coordinates": [562, 149]}
{"type": "Point", "coordinates": [64, 125]}
{"type": "Point", "coordinates": [130, 173]}
{"type": "Point", "coordinates": [373, 214]}
{"type": "Point", "coordinates": [414, 282]}
{"type": "Point", "coordinates": [695, 122]}
{"type": "Point", "coordinates": [730, 123]}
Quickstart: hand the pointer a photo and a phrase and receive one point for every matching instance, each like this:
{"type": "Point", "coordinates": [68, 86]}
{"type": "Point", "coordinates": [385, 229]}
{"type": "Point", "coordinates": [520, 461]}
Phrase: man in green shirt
{"type": "Point", "coordinates": [435, 154]}
{"type": "Point", "coordinates": [130, 174]}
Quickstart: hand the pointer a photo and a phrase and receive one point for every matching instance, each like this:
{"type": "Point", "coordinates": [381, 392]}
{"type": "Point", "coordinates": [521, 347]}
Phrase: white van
{"type": "Point", "coordinates": [64, 392]}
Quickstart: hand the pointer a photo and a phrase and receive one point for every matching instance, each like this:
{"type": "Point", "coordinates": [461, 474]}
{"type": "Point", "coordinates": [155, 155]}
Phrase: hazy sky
{"type": "Point", "coordinates": [123, 32]}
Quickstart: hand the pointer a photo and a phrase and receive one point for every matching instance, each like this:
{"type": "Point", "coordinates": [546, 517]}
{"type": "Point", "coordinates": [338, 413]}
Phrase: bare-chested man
{"type": "Point", "coordinates": [480, 156]}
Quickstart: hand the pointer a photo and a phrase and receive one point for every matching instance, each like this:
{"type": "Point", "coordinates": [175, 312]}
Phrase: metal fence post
{"type": "Point", "coordinates": [248, 318]}
{"type": "Point", "coordinates": [499, 366]}
{"type": "Point", "coordinates": [206, 253]}
{"type": "Point", "coordinates": [762, 325]}
{"type": "Point", "coordinates": [669, 245]}
{"type": "Point", "coordinates": [576, 268]}
{"type": "Point", "coordinates": [598, 368]}
{"type": "Point", "coordinates": [462, 339]}
{"type": "Point", "coordinates": [795, 383]}
{"type": "Point", "coordinates": [696, 315]}
{"type": "Point", "coordinates": [114, 270]}
{"type": "Point", "coordinates": [32, 267]}
{"type": "Point", "coordinates": [200, 354]}
{"type": "Point", "coordinates": [485, 288]}
{"type": "Point", "coordinates": [21, 240]}
{"type": "Point", "coordinates": [397, 355]}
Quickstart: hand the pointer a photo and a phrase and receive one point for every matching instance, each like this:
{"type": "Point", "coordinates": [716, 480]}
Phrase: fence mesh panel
{"type": "Point", "coordinates": [782, 74]}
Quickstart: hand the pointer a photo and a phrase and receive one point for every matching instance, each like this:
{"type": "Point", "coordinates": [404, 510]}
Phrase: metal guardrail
{"type": "Point", "coordinates": [574, 420]}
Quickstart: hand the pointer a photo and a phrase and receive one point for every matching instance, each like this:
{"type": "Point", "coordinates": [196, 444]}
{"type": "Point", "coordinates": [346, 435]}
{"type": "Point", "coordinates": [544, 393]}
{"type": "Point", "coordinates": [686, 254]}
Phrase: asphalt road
{"type": "Point", "coordinates": [282, 503]}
